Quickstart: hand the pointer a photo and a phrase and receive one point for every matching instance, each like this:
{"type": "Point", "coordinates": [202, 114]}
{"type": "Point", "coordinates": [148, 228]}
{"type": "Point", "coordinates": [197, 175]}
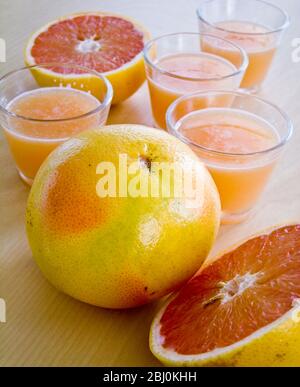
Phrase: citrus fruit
{"type": "Point", "coordinates": [241, 310]}
{"type": "Point", "coordinates": [108, 43]}
{"type": "Point", "coordinates": [120, 249]}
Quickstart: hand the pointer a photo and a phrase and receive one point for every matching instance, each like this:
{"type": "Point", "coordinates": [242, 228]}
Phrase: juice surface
{"type": "Point", "coordinates": [255, 40]}
{"type": "Point", "coordinates": [32, 141]}
{"type": "Point", "coordinates": [51, 103]}
{"type": "Point", "coordinates": [247, 39]}
{"type": "Point", "coordinates": [164, 89]}
{"type": "Point", "coordinates": [235, 134]}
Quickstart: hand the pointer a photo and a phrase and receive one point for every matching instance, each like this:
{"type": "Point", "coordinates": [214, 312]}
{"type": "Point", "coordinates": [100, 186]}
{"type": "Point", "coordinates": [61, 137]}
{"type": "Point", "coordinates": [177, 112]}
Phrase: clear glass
{"type": "Point", "coordinates": [240, 176]}
{"type": "Point", "coordinates": [193, 69]}
{"type": "Point", "coordinates": [31, 139]}
{"type": "Point", "coordinates": [255, 25]}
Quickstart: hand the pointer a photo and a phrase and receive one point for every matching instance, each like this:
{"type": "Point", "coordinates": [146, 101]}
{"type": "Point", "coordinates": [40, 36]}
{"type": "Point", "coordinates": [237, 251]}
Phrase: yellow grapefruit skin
{"type": "Point", "coordinates": [118, 252]}
{"type": "Point", "coordinates": [274, 345]}
{"type": "Point", "coordinates": [125, 80]}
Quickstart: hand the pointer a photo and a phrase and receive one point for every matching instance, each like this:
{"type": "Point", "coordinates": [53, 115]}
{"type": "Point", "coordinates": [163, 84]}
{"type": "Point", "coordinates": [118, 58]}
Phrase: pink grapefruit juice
{"type": "Point", "coordinates": [186, 73]}
{"type": "Point", "coordinates": [47, 122]}
{"type": "Point", "coordinates": [255, 39]}
{"type": "Point", "coordinates": [227, 140]}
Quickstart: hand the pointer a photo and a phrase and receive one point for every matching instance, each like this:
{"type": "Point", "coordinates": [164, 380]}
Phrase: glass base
{"type": "Point", "coordinates": [250, 90]}
{"type": "Point", "coordinates": [228, 218]}
{"type": "Point", "coordinates": [26, 179]}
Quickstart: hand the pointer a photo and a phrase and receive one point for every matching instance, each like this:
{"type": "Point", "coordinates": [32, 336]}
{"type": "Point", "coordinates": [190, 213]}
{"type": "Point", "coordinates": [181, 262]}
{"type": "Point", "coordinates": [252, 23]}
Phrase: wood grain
{"type": "Point", "coordinates": [45, 327]}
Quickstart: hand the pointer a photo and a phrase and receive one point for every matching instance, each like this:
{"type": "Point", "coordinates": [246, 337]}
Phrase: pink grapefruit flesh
{"type": "Point", "coordinates": [243, 291]}
{"type": "Point", "coordinates": [101, 43]}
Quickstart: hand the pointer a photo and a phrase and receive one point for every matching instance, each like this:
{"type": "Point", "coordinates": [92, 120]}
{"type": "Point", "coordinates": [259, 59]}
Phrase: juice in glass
{"type": "Point", "coordinates": [254, 25]}
{"type": "Point", "coordinates": [176, 65]}
{"type": "Point", "coordinates": [165, 89]}
{"type": "Point", "coordinates": [239, 146]}
{"type": "Point", "coordinates": [259, 45]}
{"type": "Point", "coordinates": [37, 119]}
{"type": "Point", "coordinates": [30, 141]}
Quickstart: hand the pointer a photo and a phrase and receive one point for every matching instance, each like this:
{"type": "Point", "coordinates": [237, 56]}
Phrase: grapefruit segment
{"type": "Point", "coordinates": [107, 43]}
{"type": "Point", "coordinates": [245, 295]}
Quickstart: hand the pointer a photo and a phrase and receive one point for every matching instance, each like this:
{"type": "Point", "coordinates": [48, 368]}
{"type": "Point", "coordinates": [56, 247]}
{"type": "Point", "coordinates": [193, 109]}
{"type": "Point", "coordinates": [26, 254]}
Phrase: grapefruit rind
{"type": "Point", "coordinates": [276, 344]}
{"type": "Point", "coordinates": [125, 80]}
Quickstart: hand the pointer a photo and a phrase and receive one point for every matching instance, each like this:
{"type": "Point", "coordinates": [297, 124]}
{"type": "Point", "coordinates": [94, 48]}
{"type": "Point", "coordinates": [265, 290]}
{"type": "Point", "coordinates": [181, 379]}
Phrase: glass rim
{"type": "Point", "coordinates": [171, 127]}
{"type": "Point", "coordinates": [284, 26]}
{"type": "Point", "coordinates": [106, 101]}
{"type": "Point", "coordinates": [242, 68]}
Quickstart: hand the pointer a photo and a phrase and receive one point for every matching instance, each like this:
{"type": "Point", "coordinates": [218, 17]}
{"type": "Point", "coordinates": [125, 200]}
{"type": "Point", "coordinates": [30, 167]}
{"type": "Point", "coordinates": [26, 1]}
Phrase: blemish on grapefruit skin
{"type": "Point", "coordinates": [145, 162]}
{"type": "Point", "coordinates": [136, 291]}
{"type": "Point", "coordinates": [280, 356]}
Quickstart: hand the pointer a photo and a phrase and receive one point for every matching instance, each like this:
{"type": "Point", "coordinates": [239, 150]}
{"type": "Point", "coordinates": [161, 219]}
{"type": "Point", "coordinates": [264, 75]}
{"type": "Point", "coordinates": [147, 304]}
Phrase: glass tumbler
{"type": "Point", "coordinates": [240, 144]}
{"type": "Point", "coordinates": [254, 25]}
{"type": "Point", "coordinates": [42, 106]}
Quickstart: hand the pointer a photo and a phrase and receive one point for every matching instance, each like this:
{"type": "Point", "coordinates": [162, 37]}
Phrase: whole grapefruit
{"type": "Point", "coordinates": [119, 249]}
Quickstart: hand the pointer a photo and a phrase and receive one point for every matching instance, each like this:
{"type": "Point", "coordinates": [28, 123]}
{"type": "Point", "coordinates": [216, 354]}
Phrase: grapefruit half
{"type": "Point", "coordinates": [108, 43]}
{"type": "Point", "coordinates": [241, 310]}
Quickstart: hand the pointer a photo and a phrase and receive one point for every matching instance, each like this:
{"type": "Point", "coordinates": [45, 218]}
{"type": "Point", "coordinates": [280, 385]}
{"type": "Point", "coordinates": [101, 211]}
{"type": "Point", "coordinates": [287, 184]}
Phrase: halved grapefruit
{"type": "Point", "coordinates": [241, 310]}
{"type": "Point", "coordinates": [108, 43]}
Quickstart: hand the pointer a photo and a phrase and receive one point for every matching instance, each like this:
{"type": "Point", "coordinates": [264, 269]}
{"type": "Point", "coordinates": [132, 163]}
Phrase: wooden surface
{"type": "Point", "coordinates": [45, 327]}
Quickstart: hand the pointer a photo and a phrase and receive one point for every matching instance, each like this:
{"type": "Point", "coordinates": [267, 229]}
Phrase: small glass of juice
{"type": "Point", "coordinates": [177, 64]}
{"type": "Point", "coordinates": [42, 106]}
{"type": "Point", "coordinates": [255, 25]}
{"type": "Point", "coordinates": [240, 144]}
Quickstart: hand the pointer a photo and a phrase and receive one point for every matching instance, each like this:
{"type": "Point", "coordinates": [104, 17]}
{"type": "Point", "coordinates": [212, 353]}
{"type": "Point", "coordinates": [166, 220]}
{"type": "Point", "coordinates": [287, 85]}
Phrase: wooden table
{"type": "Point", "coordinates": [45, 327]}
